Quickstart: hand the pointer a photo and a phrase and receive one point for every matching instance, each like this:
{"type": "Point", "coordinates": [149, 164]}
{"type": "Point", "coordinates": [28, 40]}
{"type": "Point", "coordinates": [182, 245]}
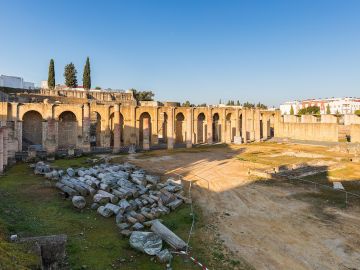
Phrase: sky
{"type": "Point", "coordinates": [198, 50]}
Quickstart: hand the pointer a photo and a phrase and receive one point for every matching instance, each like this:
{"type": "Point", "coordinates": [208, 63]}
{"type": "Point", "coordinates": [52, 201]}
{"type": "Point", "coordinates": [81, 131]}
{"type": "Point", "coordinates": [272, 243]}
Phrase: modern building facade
{"type": "Point", "coordinates": [15, 82]}
{"type": "Point", "coordinates": [346, 105]}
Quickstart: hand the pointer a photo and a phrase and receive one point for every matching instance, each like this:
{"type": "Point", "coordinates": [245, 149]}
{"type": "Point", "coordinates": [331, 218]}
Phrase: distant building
{"type": "Point", "coordinates": [15, 82]}
{"type": "Point", "coordinates": [346, 105]}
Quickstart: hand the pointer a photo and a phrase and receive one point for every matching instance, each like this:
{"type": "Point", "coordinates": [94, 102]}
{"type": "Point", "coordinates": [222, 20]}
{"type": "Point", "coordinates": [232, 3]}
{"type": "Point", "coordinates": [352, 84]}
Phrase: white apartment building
{"type": "Point", "coordinates": [15, 82]}
{"type": "Point", "coordinates": [346, 105]}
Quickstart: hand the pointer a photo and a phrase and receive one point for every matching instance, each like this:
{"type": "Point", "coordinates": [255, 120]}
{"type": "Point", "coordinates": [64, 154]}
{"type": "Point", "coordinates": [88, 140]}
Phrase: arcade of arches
{"type": "Point", "coordinates": [86, 126]}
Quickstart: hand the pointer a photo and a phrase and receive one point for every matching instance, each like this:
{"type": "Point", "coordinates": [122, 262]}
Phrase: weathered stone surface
{"type": "Point", "coordinates": [101, 199]}
{"type": "Point", "coordinates": [79, 202]}
{"type": "Point", "coordinates": [175, 204]}
{"type": "Point", "coordinates": [95, 206]}
{"type": "Point", "coordinates": [105, 212]}
{"type": "Point", "coordinates": [146, 242]}
{"type": "Point", "coordinates": [123, 226]}
{"type": "Point", "coordinates": [70, 172]}
{"type": "Point", "coordinates": [137, 226]}
{"type": "Point", "coordinates": [119, 218]}
{"type": "Point", "coordinates": [167, 235]}
{"type": "Point", "coordinates": [164, 256]}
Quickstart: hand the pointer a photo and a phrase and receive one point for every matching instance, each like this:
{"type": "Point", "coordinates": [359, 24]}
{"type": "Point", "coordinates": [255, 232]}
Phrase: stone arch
{"type": "Point", "coordinates": [228, 129]}
{"type": "Point", "coordinates": [145, 130]}
{"type": "Point", "coordinates": [201, 128]}
{"type": "Point", "coordinates": [31, 129]}
{"type": "Point", "coordinates": [216, 128]}
{"type": "Point", "coordinates": [95, 129]}
{"type": "Point", "coordinates": [179, 128]}
{"type": "Point", "coordinates": [112, 125]}
{"type": "Point", "coordinates": [67, 130]}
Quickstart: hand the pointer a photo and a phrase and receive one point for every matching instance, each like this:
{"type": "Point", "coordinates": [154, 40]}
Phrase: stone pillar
{"type": "Point", "coordinates": [264, 127]}
{"type": "Point", "coordinates": [1, 149]}
{"type": "Point", "coordinates": [170, 128]}
{"type": "Point", "coordinates": [243, 123]}
{"type": "Point", "coordinates": [257, 124]}
{"type": "Point", "coordinates": [86, 128]}
{"type": "Point", "coordinates": [50, 131]}
{"type": "Point", "coordinates": [189, 131]}
{"type": "Point", "coordinates": [195, 134]}
{"type": "Point", "coordinates": [44, 132]}
{"type": "Point", "coordinates": [155, 127]}
{"type": "Point", "coordinates": [146, 133]}
{"type": "Point", "coordinates": [19, 134]}
{"type": "Point", "coordinates": [117, 129]}
{"type": "Point", "coordinates": [209, 121]}
{"type": "Point", "coordinates": [251, 118]}
{"type": "Point", "coordinates": [6, 141]}
{"type": "Point", "coordinates": [237, 123]}
{"type": "Point", "coordinates": [133, 133]}
{"type": "Point", "coordinates": [223, 126]}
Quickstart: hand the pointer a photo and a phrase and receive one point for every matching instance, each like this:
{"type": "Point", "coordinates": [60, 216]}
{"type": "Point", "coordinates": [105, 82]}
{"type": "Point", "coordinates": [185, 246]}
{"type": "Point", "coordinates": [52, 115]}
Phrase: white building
{"type": "Point", "coordinates": [15, 82]}
{"type": "Point", "coordinates": [346, 105]}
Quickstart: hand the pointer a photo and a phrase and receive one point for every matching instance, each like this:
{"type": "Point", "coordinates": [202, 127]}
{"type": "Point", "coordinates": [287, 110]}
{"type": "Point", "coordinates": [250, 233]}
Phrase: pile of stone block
{"type": "Point", "coordinates": [134, 198]}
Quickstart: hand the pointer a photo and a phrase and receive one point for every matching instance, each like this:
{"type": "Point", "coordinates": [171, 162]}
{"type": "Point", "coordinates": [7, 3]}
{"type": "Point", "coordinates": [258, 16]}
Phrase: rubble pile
{"type": "Point", "coordinates": [136, 200]}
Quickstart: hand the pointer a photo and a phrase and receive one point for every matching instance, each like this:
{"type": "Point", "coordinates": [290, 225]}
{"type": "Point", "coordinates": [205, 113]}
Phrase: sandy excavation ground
{"type": "Point", "coordinates": [267, 225]}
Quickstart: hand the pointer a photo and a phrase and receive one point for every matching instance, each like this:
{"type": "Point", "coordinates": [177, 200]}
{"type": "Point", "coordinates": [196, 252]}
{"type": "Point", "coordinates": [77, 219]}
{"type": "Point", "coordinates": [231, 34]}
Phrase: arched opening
{"type": "Point", "coordinates": [216, 128]}
{"type": "Point", "coordinates": [262, 128]}
{"type": "Point", "coordinates": [112, 125]}
{"type": "Point", "coordinates": [31, 129]}
{"type": "Point", "coordinates": [145, 130]}
{"type": "Point", "coordinates": [67, 130]}
{"type": "Point", "coordinates": [240, 125]}
{"type": "Point", "coordinates": [201, 128]}
{"type": "Point", "coordinates": [95, 129]}
{"type": "Point", "coordinates": [179, 128]}
{"type": "Point", "coordinates": [228, 129]}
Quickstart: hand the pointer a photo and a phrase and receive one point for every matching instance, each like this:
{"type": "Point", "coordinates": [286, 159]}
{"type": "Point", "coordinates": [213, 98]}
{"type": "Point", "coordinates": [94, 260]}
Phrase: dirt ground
{"type": "Point", "coordinates": [268, 225]}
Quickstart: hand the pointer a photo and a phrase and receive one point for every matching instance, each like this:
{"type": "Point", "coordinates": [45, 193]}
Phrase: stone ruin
{"type": "Point", "coordinates": [136, 200]}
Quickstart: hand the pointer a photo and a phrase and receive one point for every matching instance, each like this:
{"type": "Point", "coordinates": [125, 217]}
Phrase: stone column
{"type": "Point", "coordinates": [19, 134]}
{"type": "Point", "coordinates": [170, 128]}
{"type": "Point", "coordinates": [223, 126]}
{"type": "Point", "coordinates": [1, 149]}
{"type": "Point", "coordinates": [264, 127]}
{"type": "Point", "coordinates": [189, 131]}
{"type": "Point", "coordinates": [6, 141]}
{"type": "Point", "coordinates": [86, 128]}
{"type": "Point", "coordinates": [257, 124]}
{"type": "Point", "coordinates": [195, 134]}
{"type": "Point", "coordinates": [244, 121]}
{"type": "Point", "coordinates": [133, 133]}
{"type": "Point", "coordinates": [105, 129]}
{"type": "Point", "coordinates": [209, 121]}
{"type": "Point", "coordinates": [237, 123]}
{"type": "Point", "coordinates": [117, 129]}
{"type": "Point", "coordinates": [155, 127]}
{"type": "Point", "coordinates": [146, 133]}
{"type": "Point", "coordinates": [252, 131]}
{"type": "Point", "coordinates": [51, 140]}
{"type": "Point", "coordinates": [44, 132]}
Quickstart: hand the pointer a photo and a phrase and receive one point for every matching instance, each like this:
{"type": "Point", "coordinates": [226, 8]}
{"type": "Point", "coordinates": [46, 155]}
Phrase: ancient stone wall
{"type": "Point", "coordinates": [308, 131]}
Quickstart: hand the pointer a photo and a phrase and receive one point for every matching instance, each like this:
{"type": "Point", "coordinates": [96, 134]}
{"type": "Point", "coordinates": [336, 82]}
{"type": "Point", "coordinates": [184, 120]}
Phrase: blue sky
{"type": "Point", "coordinates": [267, 51]}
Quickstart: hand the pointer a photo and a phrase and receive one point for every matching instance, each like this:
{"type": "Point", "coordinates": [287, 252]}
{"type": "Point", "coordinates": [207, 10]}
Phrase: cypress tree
{"type": "Point", "coordinates": [51, 75]}
{"type": "Point", "coordinates": [86, 75]}
{"type": "Point", "coordinates": [70, 76]}
{"type": "Point", "coordinates": [291, 110]}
